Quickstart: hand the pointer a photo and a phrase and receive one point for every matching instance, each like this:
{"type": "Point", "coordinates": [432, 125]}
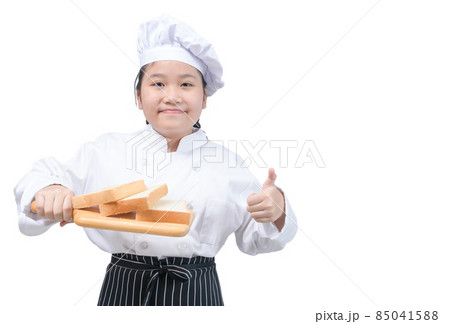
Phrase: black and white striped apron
{"type": "Point", "coordinates": [134, 280]}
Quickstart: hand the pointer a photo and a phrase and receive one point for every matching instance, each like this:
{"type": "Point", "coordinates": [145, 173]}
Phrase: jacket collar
{"type": "Point", "coordinates": [157, 142]}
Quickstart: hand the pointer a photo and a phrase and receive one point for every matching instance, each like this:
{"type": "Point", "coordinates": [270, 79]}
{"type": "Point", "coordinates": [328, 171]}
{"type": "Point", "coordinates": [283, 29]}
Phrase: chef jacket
{"type": "Point", "coordinates": [214, 182]}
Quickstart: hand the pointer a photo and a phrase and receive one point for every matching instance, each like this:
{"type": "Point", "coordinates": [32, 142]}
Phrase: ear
{"type": "Point", "coordinates": [138, 96]}
{"type": "Point", "coordinates": [204, 98]}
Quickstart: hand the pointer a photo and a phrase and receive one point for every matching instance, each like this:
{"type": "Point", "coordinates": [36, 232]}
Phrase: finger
{"type": "Point", "coordinates": [270, 181]}
{"type": "Point", "coordinates": [261, 217]}
{"type": "Point", "coordinates": [254, 198]}
{"type": "Point", "coordinates": [67, 209]}
{"type": "Point", "coordinates": [62, 224]}
{"type": "Point", "coordinates": [39, 205]}
{"type": "Point", "coordinates": [261, 214]}
{"type": "Point", "coordinates": [48, 207]}
{"type": "Point", "coordinates": [262, 206]}
{"type": "Point", "coordinates": [58, 208]}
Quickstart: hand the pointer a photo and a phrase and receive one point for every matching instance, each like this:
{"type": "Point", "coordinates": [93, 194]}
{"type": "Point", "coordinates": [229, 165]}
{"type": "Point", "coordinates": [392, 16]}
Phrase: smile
{"type": "Point", "coordinates": [172, 111]}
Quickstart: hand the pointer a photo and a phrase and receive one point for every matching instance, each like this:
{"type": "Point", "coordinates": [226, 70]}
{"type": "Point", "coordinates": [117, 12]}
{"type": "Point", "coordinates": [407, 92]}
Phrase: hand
{"type": "Point", "coordinates": [55, 202]}
{"type": "Point", "coordinates": [268, 205]}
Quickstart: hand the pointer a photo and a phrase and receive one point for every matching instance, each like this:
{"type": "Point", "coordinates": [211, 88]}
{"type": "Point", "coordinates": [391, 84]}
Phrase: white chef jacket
{"type": "Point", "coordinates": [211, 179]}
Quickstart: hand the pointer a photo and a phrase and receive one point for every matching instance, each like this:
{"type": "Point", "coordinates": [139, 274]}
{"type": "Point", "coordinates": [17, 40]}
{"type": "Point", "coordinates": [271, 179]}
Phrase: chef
{"type": "Point", "coordinates": [179, 69]}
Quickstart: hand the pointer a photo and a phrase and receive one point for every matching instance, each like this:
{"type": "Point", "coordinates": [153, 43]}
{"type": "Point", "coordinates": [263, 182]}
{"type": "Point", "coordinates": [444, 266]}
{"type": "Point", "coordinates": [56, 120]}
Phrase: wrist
{"type": "Point", "coordinates": [280, 221]}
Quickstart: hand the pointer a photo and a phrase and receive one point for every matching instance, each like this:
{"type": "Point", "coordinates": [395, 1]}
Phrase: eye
{"type": "Point", "coordinates": [186, 84]}
{"type": "Point", "coordinates": [158, 84]}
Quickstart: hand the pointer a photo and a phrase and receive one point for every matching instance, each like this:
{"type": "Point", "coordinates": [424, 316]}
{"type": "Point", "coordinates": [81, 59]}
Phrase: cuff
{"type": "Point", "coordinates": [30, 223]}
{"type": "Point", "coordinates": [289, 229]}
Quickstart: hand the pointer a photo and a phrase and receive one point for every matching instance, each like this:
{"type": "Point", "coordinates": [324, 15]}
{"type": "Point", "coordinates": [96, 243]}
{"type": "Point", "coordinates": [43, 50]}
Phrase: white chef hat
{"type": "Point", "coordinates": [166, 38]}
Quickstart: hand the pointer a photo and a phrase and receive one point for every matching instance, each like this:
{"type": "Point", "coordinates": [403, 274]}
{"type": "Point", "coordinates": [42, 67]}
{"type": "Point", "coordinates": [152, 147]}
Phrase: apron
{"type": "Point", "coordinates": [135, 280]}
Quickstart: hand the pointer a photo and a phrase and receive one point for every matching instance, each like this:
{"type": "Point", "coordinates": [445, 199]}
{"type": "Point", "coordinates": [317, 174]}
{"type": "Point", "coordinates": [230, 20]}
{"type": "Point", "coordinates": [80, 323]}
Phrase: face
{"type": "Point", "coordinates": [172, 97]}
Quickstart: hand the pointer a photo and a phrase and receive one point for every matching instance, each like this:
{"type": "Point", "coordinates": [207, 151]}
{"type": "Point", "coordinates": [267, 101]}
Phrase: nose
{"type": "Point", "coordinates": [171, 95]}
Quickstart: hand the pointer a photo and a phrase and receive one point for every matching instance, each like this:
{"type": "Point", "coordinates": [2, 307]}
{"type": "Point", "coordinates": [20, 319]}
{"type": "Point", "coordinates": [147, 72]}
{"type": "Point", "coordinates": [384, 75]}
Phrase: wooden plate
{"type": "Point", "coordinates": [90, 217]}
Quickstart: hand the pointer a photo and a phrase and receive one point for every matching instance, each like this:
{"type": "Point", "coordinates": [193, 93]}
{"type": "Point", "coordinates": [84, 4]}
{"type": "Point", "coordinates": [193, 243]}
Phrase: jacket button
{"type": "Point", "coordinates": [144, 245]}
{"type": "Point", "coordinates": [182, 246]}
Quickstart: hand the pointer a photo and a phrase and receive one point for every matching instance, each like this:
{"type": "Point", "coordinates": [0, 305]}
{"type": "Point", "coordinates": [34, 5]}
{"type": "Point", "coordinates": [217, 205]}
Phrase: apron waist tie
{"type": "Point", "coordinates": [180, 272]}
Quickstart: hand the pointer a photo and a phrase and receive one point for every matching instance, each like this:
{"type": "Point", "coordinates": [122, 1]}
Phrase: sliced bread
{"type": "Point", "coordinates": [108, 194]}
{"type": "Point", "coordinates": [140, 201]}
{"type": "Point", "coordinates": [166, 211]}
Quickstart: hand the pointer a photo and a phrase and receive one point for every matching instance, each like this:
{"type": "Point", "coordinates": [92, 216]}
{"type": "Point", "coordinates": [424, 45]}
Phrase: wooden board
{"type": "Point", "coordinates": [90, 217]}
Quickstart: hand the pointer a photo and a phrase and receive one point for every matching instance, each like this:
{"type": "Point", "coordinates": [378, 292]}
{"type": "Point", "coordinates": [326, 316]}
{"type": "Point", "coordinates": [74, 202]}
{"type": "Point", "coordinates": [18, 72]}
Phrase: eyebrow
{"type": "Point", "coordinates": [155, 75]}
{"type": "Point", "coordinates": [182, 76]}
{"type": "Point", "coordinates": [187, 75]}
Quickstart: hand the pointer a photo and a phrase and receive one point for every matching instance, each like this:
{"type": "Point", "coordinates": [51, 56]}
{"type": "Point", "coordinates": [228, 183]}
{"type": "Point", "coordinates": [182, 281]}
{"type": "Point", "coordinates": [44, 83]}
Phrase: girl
{"type": "Point", "coordinates": [179, 69]}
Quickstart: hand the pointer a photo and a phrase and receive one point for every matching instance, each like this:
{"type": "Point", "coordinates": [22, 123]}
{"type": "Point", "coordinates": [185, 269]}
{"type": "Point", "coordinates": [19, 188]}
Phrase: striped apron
{"type": "Point", "coordinates": [134, 280]}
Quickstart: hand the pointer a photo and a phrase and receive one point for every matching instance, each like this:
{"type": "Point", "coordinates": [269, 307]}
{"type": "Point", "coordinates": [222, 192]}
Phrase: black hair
{"type": "Point", "coordinates": [138, 84]}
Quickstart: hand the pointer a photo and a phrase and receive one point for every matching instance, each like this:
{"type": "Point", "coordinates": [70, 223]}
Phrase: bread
{"type": "Point", "coordinates": [140, 201]}
{"type": "Point", "coordinates": [108, 194]}
{"type": "Point", "coordinates": [166, 211]}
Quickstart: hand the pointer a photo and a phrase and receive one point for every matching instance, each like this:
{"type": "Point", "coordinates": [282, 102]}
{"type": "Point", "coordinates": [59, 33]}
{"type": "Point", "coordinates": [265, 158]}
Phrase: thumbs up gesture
{"type": "Point", "coordinates": [268, 205]}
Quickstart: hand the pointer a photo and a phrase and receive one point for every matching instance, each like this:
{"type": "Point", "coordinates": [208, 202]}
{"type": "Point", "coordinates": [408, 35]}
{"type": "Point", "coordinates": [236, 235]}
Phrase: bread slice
{"type": "Point", "coordinates": [166, 211]}
{"type": "Point", "coordinates": [108, 194]}
{"type": "Point", "coordinates": [140, 201]}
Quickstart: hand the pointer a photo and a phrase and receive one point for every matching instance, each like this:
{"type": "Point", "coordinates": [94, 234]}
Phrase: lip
{"type": "Point", "coordinates": [172, 111]}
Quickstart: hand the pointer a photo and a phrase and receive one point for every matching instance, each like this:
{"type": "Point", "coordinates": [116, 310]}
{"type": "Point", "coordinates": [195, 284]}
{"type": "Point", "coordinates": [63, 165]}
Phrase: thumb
{"type": "Point", "coordinates": [270, 181]}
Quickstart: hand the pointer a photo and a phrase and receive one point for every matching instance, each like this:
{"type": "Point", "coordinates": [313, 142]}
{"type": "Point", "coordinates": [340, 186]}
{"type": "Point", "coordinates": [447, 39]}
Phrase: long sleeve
{"type": "Point", "coordinates": [47, 171]}
{"type": "Point", "coordinates": [253, 237]}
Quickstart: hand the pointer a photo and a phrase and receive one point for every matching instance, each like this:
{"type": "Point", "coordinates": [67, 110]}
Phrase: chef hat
{"type": "Point", "coordinates": [166, 38]}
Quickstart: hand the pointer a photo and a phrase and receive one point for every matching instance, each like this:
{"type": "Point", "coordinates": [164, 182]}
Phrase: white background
{"type": "Point", "coordinates": [371, 90]}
